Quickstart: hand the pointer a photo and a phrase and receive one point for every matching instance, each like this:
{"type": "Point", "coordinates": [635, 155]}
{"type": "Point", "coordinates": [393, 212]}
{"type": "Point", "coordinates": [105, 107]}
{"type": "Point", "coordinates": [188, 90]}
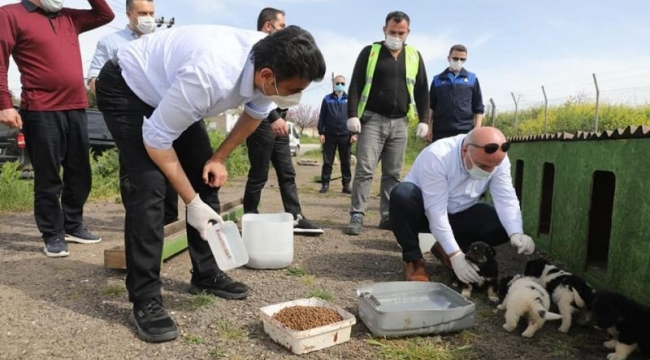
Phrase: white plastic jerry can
{"type": "Point", "coordinates": [227, 246]}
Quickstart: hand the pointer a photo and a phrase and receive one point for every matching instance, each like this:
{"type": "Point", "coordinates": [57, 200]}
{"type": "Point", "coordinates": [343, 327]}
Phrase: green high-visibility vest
{"type": "Point", "coordinates": [412, 66]}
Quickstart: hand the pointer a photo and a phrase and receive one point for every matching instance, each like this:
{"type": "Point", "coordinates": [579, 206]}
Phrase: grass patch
{"type": "Point", "coordinates": [310, 139]}
{"type": "Point", "coordinates": [422, 348]}
{"type": "Point", "coordinates": [193, 340]}
{"type": "Point", "coordinates": [228, 331]}
{"type": "Point", "coordinates": [308, 280]}
{"type": "Point", "coordinates": [218, 354]}
{"type": "Point", "coordinates": [200, 300]}
{"type": "Point", "coordinates": [322, 294]}
{"type": "Point", "coordinates": [15, 194]}
{"type": "Point", "coordinates": [114, 289]}
{"type": "Point", "coordinates": [295, 271]}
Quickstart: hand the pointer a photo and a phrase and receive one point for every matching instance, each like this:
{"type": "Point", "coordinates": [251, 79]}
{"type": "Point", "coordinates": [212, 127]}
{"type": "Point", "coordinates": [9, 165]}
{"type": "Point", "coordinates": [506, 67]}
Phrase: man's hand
{"type": "Point", "coordinates": [91, 85]}
{"type": "Point", "coordinates": [11, 118]}
{"type": "Point", "coordinates": [199, 215]}
{"type": "Point", "coordinates": [280, 127]}
{"type": "Point", "coordinates": [322, 139]}
{"type": "Point", "coordinates": [429, 135]}
{"type": "Point", "coordinates": [523, 243]}
{"type": "Point", "coordinates": [353, 138]}
{"type": "Point", "coordinates": [422, 130]}
{"type": "Point", "coordinates": [465, 271]}
{"type": "Point", "coordinates": [354, 124]}
{"type": "Point", "coordinates": [215, 173]}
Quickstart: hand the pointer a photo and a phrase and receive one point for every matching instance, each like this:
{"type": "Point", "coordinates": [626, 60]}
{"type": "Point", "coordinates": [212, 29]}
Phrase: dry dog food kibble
{"type": "Point", "coordinates": [306, 317]}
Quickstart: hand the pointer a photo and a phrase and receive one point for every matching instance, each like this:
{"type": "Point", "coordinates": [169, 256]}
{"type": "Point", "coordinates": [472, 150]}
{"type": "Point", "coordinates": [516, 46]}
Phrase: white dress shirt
{"type": "Point", "coordinates": [447, 188]}
{"type": "Point", "coordinates": [107, 48]}
{"type": "Point", "coordinates": [191, 72]}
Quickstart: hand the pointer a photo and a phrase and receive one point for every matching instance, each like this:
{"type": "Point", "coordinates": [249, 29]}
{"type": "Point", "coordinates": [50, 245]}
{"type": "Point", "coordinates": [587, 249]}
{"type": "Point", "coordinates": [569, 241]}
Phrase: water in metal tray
{"type": "Point", "coordinates": [420, 300]}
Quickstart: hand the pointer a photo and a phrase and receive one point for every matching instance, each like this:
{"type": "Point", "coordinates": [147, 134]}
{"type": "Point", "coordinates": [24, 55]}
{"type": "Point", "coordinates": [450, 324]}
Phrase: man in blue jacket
{"type": "Point", "coordinates": [455, 98]}
{"type": "Point", "coordinates": [334, 134]}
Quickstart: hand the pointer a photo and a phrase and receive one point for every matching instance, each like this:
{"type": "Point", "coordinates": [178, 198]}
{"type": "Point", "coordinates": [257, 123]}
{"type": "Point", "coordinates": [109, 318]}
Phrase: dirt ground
{"type": "Point", "coordinates": [75, 308]}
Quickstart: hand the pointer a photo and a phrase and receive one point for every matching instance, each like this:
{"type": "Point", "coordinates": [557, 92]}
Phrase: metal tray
{"type": "Point", "coordinates": [404, 308]}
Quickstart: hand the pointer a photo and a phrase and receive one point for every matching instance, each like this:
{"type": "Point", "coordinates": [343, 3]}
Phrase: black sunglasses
{"type": "Point", "coordinates": [340, 83]}
{"type": "Point", "coordinates": [491, 148]}
{"type": "Point", "coordinates": [457, 58]}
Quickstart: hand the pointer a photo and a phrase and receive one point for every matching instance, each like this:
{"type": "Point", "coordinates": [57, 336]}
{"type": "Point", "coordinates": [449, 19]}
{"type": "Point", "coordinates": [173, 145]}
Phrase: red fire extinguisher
{"type": "Point", "coordinates": [20, 140]}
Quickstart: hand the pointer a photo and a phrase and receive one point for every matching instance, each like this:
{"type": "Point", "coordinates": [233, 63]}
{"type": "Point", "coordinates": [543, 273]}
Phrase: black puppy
{"type": "Point", "coordinates": [569, 292]}
{"type": "Point", "coordinates": [627, 321]}
{"type": "Point", "coordinates": [484, 257]}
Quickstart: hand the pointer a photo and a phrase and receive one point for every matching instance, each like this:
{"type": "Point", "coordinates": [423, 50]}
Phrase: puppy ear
{"type": "Point", "coordinates": [491, 251]}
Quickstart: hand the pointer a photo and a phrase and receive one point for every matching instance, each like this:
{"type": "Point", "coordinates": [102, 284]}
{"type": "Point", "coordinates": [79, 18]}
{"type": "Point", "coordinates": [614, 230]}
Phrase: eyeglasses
{"type": "Point", "coordinates": [340, 83]}
{"type": "Point", "coordinates": [491, 148]}
{"type": "Point", "coordinates": [457, 59]}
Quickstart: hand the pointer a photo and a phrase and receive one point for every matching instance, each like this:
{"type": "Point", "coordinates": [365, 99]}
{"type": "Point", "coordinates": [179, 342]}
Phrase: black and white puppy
{"type": "Point", "coordinates": [627, 321]}
{"type": "Point", "coordinates": [484, 257]}
{"type": "Point", "coordinates": [569, 292]}
{"type": "Point", "coordinates": [526, 297]}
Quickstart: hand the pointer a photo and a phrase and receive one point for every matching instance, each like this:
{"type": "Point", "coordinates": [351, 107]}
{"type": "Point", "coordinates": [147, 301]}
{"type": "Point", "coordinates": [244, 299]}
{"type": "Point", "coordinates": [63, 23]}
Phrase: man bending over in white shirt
{"type": "Point", "coordinates": [154, 96]}
{"type": "Point", "coordinates": [440, 196]}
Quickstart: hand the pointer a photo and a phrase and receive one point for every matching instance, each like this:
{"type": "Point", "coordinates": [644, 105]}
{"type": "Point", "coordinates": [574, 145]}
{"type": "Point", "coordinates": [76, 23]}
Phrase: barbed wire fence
{"type": "Point", "coordinates": [529, 113]}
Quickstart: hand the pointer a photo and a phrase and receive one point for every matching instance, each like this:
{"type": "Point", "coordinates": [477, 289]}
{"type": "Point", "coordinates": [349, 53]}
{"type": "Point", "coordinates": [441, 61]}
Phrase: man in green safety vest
{"type": "Point", "coordinates": [389, 88]}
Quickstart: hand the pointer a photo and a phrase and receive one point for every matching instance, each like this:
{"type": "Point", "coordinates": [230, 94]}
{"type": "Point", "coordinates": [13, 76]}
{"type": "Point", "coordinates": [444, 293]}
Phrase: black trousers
{"type": "Point", "coordinates": [478, 223]}
{"type": "Point", "coordinates": [58, 139]}
{"type": "Point", "coordinates": [171, 196]}
{"type": "Point", "coordinates": [342, 143]}
{"type": "Point", "coordinates": [265, 147]}
{"type": "Point", "coordinates": [143, 227]}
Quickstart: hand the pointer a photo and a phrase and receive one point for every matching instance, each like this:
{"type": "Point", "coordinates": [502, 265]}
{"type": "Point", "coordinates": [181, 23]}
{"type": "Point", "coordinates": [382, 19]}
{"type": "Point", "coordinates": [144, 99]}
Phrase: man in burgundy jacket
{"type": "Point", "coordinates": [43, 38]}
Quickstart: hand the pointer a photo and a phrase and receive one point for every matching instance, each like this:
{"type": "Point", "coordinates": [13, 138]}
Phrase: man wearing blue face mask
{"type": "Point", "coordinates": [269, 144]}
{"type": "Point", "coordinates": [334, 134]}
{"type": "Point", "coordinates": [455, 98]}
{"type": "Point", "coordinates": [141, 22]}
{"type": "Point", "coordinates": [440, 195]}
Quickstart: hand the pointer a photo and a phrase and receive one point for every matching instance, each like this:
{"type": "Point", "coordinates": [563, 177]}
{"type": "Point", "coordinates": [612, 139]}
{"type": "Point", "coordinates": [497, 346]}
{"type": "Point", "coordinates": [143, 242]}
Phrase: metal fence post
{"type": "Point", "coordinates": [493, 110]}
{"type": "Point", "coordinates": [545, 109]}
{"type": "Point", "coordinates": [516, 110]}
{"type": "Point", "coordinates": [597, 103]}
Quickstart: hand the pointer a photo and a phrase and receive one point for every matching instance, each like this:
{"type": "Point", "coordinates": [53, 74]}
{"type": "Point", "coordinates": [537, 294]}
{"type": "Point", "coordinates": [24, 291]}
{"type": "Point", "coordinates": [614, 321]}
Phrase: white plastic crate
{"type": "Point", "coordinates": [302, 342]}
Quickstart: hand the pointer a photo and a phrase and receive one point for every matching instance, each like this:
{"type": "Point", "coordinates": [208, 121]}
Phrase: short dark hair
{"type": "Point", "coordinates": [458, 47]}
{"type": "Point", "coordinates": [397, 16]}
{"type": "Point", "coordinates": [129, 4]}
{"type": "Point", "coordinates": [267, 14]}
{"type": "Point", "coordinates": [290, 53]}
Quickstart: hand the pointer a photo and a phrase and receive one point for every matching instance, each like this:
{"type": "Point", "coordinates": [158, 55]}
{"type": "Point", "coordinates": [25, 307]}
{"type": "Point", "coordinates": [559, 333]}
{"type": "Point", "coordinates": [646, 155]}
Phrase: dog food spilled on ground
{"type": "Point", "coordinates": [301, 318]}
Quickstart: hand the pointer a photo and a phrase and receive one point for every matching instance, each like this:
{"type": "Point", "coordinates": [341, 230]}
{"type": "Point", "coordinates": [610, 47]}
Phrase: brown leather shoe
{"type": "Point", "coordinates": [415, 271]}
{"type": "Point", "coordinates": [441, 255]}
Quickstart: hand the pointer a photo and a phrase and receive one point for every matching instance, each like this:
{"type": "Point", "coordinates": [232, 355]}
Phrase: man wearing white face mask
{"type": "Point", "coordinates": [141, 22]}
{"type": "Point", "coordinates": [456, 100]}
{"type": "Point", "coordinates": [154, 97]}
{"type": "Point", "coordinates": [42, 36]}
{"type": "Point", "coordinates": [269, 144]}
{"type": "Point", "coordinates": [440, 196]}
{"type": "Point", "coordinates": [389, 83]}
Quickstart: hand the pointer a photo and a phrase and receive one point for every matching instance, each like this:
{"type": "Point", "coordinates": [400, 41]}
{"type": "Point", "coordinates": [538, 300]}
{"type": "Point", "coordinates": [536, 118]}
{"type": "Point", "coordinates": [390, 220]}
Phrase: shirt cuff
{"type": "Point", "coordinates": [514, 228]}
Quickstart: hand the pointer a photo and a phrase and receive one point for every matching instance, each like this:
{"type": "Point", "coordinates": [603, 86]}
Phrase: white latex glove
{"type": "Point", "coordinates": [199, 215]}
{"type": "Point", "coordinates": [523, 243]}
{"type": "Point", "coordinates": [465, 271]}
{"type": "Point", "coordinates": [422, 130]}
{"type": "Point", "coordinates": [354, 124]}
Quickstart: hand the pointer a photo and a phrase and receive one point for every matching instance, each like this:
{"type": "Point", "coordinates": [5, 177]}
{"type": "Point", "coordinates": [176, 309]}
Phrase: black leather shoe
{"type": "Point", "coordinates": [346, 189]}
{"type": "Point", "coordinates": [325, 188]}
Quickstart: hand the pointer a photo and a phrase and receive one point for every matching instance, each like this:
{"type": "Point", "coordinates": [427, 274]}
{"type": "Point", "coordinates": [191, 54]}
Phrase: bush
{"type": "Point", "coordinates": [106, 174]}
{"type": "Point", "coordinates": [15, 194]}
{"type": "Point", "coordinates": [237, 163]}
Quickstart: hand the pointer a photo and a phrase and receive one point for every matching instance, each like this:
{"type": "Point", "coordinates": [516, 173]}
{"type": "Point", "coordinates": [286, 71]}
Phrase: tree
{"type": "Point", "coordinates": [304, 116]}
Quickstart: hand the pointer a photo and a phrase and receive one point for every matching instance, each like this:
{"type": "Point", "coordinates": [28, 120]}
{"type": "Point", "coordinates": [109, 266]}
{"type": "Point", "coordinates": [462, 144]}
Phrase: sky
{"type": "Point", "coordinates": [514, 46]}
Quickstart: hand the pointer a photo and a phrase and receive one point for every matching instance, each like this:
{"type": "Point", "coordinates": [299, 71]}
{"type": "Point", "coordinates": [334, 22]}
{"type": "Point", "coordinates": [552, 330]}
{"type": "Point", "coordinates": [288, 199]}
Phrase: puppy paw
{"type": "Point", "coordinates": [564, 329]}
{"type": "Point", "coordinates": [613, 356]}
{"type": "Point", "coordinates": [508, 328]}
{"type": "Point", "coordinates": [528, 333]}
{"type": "Point", "coordinates": [494, 299]}
{"type": "Point", "coordinates": [466, 293]}
{"type": "Point", "coordinates": [610, 344]}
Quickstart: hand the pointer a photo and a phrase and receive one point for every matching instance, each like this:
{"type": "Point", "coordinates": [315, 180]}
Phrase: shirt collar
{"type": "Point", "coordinates": [247, 88]}
{"type": "Point", "coordinates": [459, 151]}
{"type": "Point", "coordinates": [133, 33]}
{"type": "Point", "coordinates": [29, 5]}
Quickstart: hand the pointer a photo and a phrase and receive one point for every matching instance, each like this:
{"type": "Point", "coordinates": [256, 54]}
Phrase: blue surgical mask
{"type": "Point", "coordinates": [476, 172]}
{"type": "Point", "coordinates": [339, 88]}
